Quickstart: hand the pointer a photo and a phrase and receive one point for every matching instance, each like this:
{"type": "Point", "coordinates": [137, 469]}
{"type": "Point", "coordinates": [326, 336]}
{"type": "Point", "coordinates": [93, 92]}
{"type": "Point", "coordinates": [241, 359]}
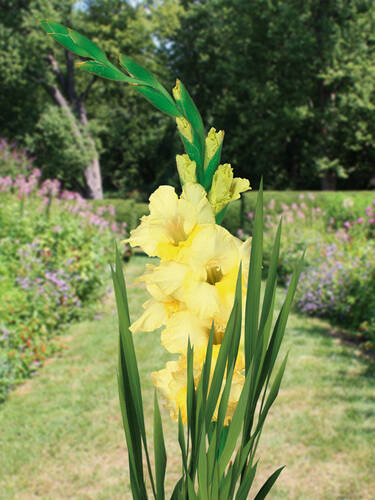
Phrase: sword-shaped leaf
{"type": "Point", "coordinates": [159, 100]}
{"type": "Point", "coordinates": [140, 73]}
{"type": "Point", "coordinates": [265, 489]}
{"type": "Point", "coordinates": [110, 72]}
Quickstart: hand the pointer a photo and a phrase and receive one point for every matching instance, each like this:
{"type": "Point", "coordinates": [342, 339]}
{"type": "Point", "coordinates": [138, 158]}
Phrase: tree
{"type": "Point", "coordinates": [34, 63]}
{"type": "Point", "coordinates": [275, 76]}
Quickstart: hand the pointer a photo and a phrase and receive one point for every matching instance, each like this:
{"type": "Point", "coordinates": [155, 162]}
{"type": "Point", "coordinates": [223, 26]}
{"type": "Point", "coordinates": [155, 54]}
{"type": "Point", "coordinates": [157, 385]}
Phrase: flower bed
{"type": "Point", "coordinates": [339, 277]}
{"type": "Point", "coordinates": [54, 253]}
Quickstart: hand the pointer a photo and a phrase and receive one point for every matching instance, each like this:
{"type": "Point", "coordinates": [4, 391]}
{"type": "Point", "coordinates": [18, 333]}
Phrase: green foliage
{"type": "Point", "coordinates": [340, 284]}
{"type": "Point", "coordinates": [127, 211]}
{"type": "Point", "coordinates": [13, 161]}
{"type": "Point", "coordinates": [63, 155]}
{"type": "Point", "coordinates": [51, 267]}
{"type": "Point", "coordinates": [292, 83]}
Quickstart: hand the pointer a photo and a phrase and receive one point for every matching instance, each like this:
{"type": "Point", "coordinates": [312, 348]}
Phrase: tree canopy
{"type": "Point", "coordinates": [290, 82]}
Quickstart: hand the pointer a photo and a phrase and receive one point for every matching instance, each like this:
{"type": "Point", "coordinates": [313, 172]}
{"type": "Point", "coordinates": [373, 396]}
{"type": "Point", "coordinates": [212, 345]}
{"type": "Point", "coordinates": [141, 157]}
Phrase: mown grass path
{"type": "Point", "coordinates": [61, 434]}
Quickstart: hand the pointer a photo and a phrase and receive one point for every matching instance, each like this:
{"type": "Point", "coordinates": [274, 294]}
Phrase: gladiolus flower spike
{"type": "Point", "coordinates": [205, 295]}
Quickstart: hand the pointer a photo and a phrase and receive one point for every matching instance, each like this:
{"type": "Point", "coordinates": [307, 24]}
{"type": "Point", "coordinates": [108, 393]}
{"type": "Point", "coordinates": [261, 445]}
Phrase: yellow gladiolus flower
{"type": "Point", "coordinates": [186, 169]}
{"type": "Point", "coordinates": [214, 256]}
{"type": "Point", "coordinates": [225, 188]}
{"type": "Point", "coordinates": [171, 381]}
{"type": "Point", "coordinates": [196, 291]}
{"type": "Point", "coordinates": [213, 142]}
{"type": "Point", "coordinates": [172, 221]}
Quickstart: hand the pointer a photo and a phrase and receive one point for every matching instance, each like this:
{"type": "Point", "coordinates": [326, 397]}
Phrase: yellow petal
{"type": "Point", "coordinates": [182, 326]}
{"type": "Point", "coordinates": [196, 195]}
{"type": "Point", "coordinates": [168, 277]}
{"type": "Point", "coordinates": [163, 202]}
{"type": "Point", "coordinates": [153, 317]}
{"type": "Point", "coordinates": [202, 299]}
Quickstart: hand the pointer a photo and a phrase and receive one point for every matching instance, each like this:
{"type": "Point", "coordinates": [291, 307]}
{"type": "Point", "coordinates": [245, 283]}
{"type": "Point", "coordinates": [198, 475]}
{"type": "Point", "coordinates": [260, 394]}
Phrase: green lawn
{"type": "Point", "coordinates": [61, 434]}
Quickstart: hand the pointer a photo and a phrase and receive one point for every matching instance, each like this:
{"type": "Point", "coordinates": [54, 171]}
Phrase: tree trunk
{"type": "Point", "coordinates": [91, 174]}
{"type": "Point", "coordinates": [93, 179]}
{"type": "Point", "coordinates": [329, 181]}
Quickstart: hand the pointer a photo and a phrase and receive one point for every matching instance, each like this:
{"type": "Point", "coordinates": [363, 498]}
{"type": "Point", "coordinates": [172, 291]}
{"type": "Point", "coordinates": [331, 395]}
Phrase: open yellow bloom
{"type": "Point", "coordinates": [226, 188]}
{"type": "Point", "coordinates": [190, 295]}
{"type": "Point", "coordinates": [214, 257]}
{"type": "Point", "coordinates": [171, 381]}
{"type": "Point", "coordinates": [162, 282]}
{"type": "Point", "coordinates": [172, 221]}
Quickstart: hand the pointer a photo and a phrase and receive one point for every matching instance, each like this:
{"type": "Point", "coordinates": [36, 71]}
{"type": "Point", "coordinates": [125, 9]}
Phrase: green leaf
{"type": "Point", "coordinates": [177, 490]}
{"type": "Point", "coordinates": [181, 441]}
{"type": "Point", "coordinates": [212, 450]}
{"type": "Point", "coordinates": [90, 47]}
{"type": "Point", "coordinates": [246, 483]}
{"type": "Point", "coordinates": [193, 153]}
{"type": "Point", "coordinates": [140, 73]}
{"type": "Point", "coordinates": [129, 367]}
{"type": "Point", "coordinates": [235, 425]}
{"type": "Point", "coordinates": [220, 216]}
{"type": "Point", "coordinates": [61, 34]}
{"type": "Point", "coordinates": [202, 466]}
{"type": "Point", "coordinates": [159, 451]}
{"type": "Point", "coordinates": [127, 403]}
{"type": "Point", "coordinates": [254, 282]}
{"type": "Point", "coordinates": [263, 492]}
{"type": "Point", "coordinates": [272, 394]}
{"type": "Point", "coordinates": [225, 485]}
{"type": "Point", "coordinates": [110, 72]}
{"type": "Point", "coordinates": [159, 100]}
{"type": "Point", "coordinates": [271, 282]}
{"type": "Point", "coordinates": [211, 168]}
{"type": "Point", "coordinates": [192, 114]}
{"type": "Point", "coordinates": [234, 324]}
{"type": "Point", "coordinates": [206, 370]}
{"type": "Point", "coordinates": [192, 494]}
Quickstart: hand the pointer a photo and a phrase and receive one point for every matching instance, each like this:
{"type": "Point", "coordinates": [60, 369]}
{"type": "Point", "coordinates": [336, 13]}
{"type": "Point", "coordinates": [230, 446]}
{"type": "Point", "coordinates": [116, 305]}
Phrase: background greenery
{"type": "Point", "coordinates": [291, 83]}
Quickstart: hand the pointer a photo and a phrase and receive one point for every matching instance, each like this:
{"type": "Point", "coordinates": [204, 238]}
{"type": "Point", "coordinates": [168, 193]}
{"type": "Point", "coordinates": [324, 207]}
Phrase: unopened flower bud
{"type": "Point", "coordinates": [176, 91]}
{"type": "Point", "coordinates": [184, 128]}
{"type": "Point", "coordinates": [225, 188]}
{"type": "Point", "coordinates": [213, 142]}
{"type": "Point", "coordinates": [186, 169]}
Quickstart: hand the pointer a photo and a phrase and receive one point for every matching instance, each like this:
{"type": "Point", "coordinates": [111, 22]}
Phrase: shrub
{"type": "Point", "coordinates": [128, 211]}
{"type": "Point", "coordinates": [340, 285]}
{"type": "Point", "coordinates": [54, 254]}
{"type": "Point", "coordinates": [13, 161]}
